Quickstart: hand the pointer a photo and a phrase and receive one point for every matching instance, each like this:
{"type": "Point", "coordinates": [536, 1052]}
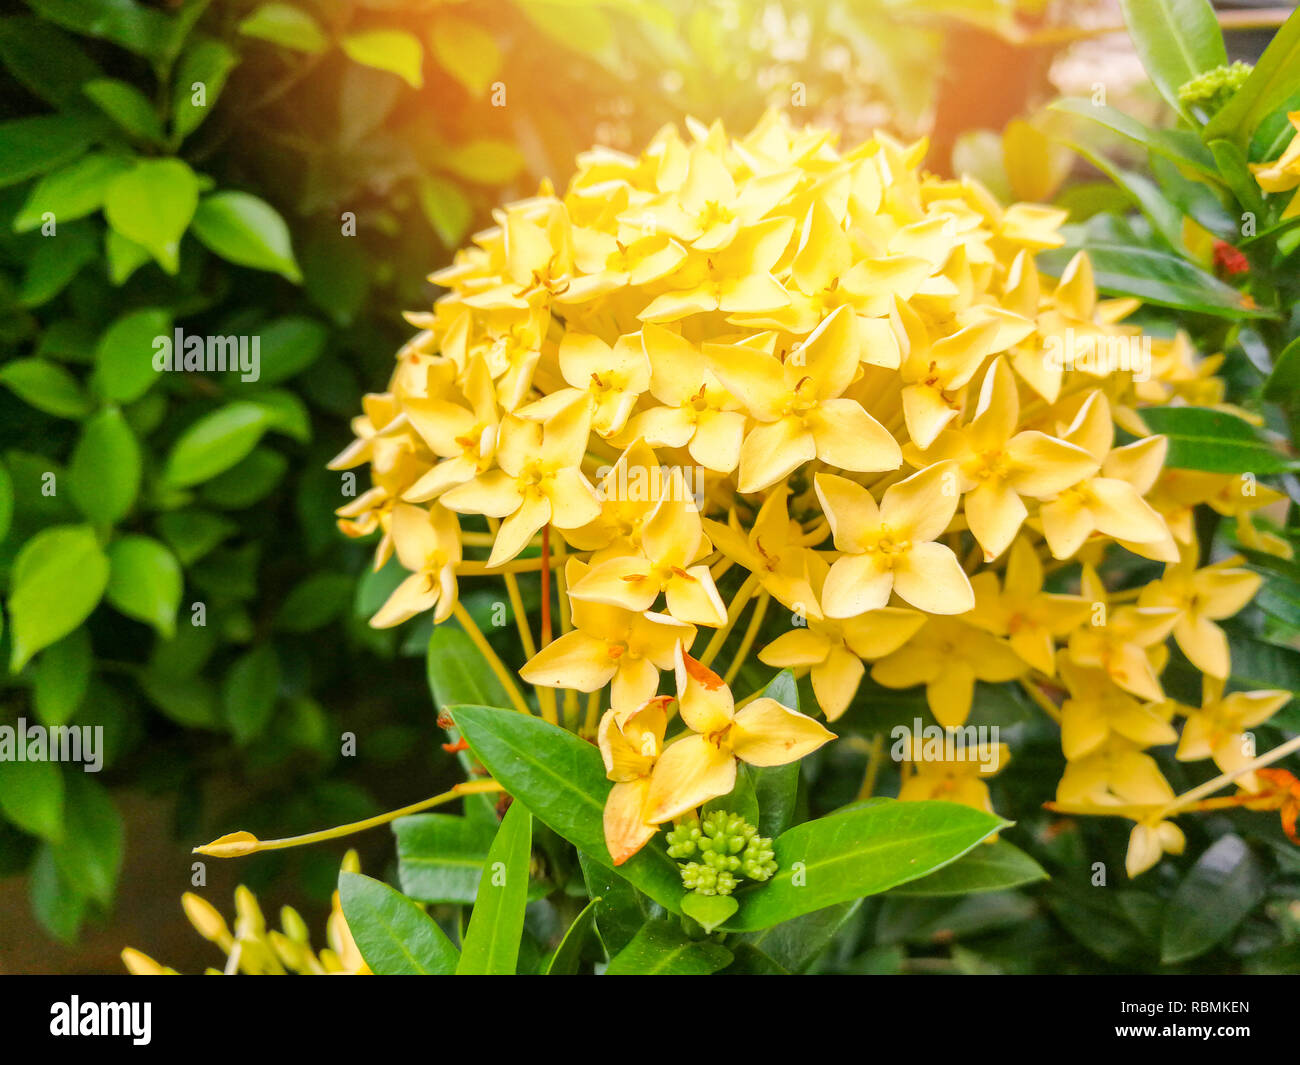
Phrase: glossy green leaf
{"type": "Point", "coordinates": [1283, 384]}
{"type": "Point", "coordinates": [1224, 885]}
{"type": "Point", "coordinates": [46, 61]}
{"type": "Point", "coordinates": [127, 106]}
{"type": "Point", "coordinates": [104, 473]}
{"type": "Point", "coordinates": [57, 580]}
{"type": "Point", "coordinates": [143, 30]}
{"type": "Point", "coordinates": [709, 911]}
{"type": "Point", "coordinates": [72, 192]}
{"type": "Point", "coordinates": [491, 946]}
{"type": "Point", "coordinates": [152, 204]}
{"type": "Point", "coordinates": [60, 678]}
{"type": "Point", "coordinates": [395, 936]}
{"type": "Point", "coordinates": [860, 851]}
{"type": "Point", "coordinates": [661, 948]}
{"type": "Point", "coordinates": [248, 231]}
{"type": "Point", "coordinates": [1204, 439]}
{"type": "Point", "coordinates": [200, 77]}
{"type": "Point", "coordinates": [33, 146]}
{"type": "Point", "coordinates": [145, 582]}
{"type": "Point", "coordinates": [286, 25]}
{"type": "Point", "coordinates": [47, 386]}
{"type": "Point", "coordinates": [562, 780]}
{"type": "Point", "coordinates": [796, 944]}
{"type": "Point", "coordinates": [1176, 40]}
{"type": "Point", "coordinates": [995, 866]}
{"type": "Point", "coordinates": [31, 795]}
{"type": "Point", "coordinates": [568, 955]}
{"type": "Point", "coordinates": [440, 857]}
{"type": "Point", "coordinates": [1178, 146]}
{"type": "Point", "coordinates": [250, 690]}
{"type": "Point", "coordinates": [215, 443]}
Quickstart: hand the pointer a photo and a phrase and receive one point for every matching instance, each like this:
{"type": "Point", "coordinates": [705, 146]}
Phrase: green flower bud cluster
{"type": "Point", "coordinates": [1211, 90]}
{"type": "Point", "coordinates": [729, 849]}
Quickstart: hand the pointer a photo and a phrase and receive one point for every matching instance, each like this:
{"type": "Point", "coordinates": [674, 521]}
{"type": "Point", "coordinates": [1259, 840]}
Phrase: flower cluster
{"type": "Point", "coordinates": [729, 849]}
{"type": "Point", "coordinates": [254, 949]}
{"type": "Point", "coordinates": [848, 381]}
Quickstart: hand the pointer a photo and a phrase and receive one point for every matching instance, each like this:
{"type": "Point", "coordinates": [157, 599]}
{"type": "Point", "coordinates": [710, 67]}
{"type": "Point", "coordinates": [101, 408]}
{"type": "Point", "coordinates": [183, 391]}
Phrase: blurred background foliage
{"type": "Point", "coordinates": [294, 171]}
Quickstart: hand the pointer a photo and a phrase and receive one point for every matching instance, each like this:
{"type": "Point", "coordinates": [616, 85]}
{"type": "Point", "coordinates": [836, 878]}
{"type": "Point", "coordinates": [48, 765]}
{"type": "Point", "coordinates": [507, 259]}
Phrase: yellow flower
{"type": "Point", "coordinates": [798, 401]}
{"type": "Point", "coordinates": [701, 765]}
{"type": "Point", "coordinates": [960, 779]}
{"type": "Point", "coordinates": [609, 378]}
{"type": "Point", "coordinates": [630, 744]}
{"type": "Point", "coordinates": [1202, 597]}
{"type": "Point", "coordinates": [1283, 173]}
{"type": "Point", "coordinates": [1127, 643]}
{"type": "Point", "coordinates": [608, 643]}
{"type": "Point", "coordinates": [890, 546]}
{"type": "Point", "coordinates": [1148, 843]}
{"type": "Point", "coordinates": [1217, 729]}
{"type": "Point", "coordinates": [697, 413]}
{"type": "Point", "coordinates": [671, 542]}
{"type": "Point", "coordinates": [538, 481]}
{"type": "Point", "coordinates": [948, 656]}
{"type": "Point", "coordinates": [773, 549]}
{"type": "Point", "coordinates": [833, 650]}
{"type": "Point", "coordinates": [1000, 465]}
{"type": "Point", "coordinates": [1116, 774]}
{"type": "Point", "coordinates": [428, 544]}
{"type": "Point", "coordinates": [1098, 708]}
{"type": "Point", "coordinates": [1108, 503]}
{"type": "Point", "coordinates": [465, 437]}
{"type": "Point", "coordinates": [1031, 620]}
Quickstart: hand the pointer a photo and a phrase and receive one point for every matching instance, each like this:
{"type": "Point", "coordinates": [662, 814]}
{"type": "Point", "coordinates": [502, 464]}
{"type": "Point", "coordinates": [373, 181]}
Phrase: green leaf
{"type": "Point", "coordinates": [1275, 78]}
{"type": "Point", "coordinates": [90, 853]}
{"type": "Point", "coordinates": [6, 501]}
{"type": "Point", "coordinates": [315, 602]}
{"type": "Point", "coordinates": [796, 944]}
{"type": "Point", "coordinates": [250, 690]}
{"type": "Point", "coordinates": [446, 207]}
{"type": "Point", "coordinates": [57, 260]}
{"type": "Point", "coordinates": [440, 857]}
{"type": "Point", "coordinates": [1224, 885]}
{"type": "Point", "coordinates": [395, 51]}
{"type": "Point", "coordinates": [709, 911]}
{"type": "Point", "coordinates": [568, 955]}
{"type": "Point", "coordinates": [285, 25]}
{"type": "Point", "coordinates": [247, 231]}
{"type": "Point", "coordinates": [859, 851]}
{"type": "Point", "coordinates": [491, 946]}
{"type": "Point", "coordinates": [124, 369]}
{"type": "Point", "coordinates": [31, 796]}
{"type": "Point", "coordinates": [621, 910]}
{"type": "Point", "coordinates": [1156, 277]}
{"type": "Point", "coordinates": [1176, 40]}
{"type": "Point", "coordinates": [139, 29]}
{"type": "Point", "coordinates": [993, 867]}
{"type": "Point", "coordinates": [486, 161]}
{"type": "Point", "coordinates": [288, 346]}
{"type": "Point", "coordinates": [104, 473]}
{"type": "Point", "coordinates": [145, 582]}
{"type": "Point", "coordinates": [466, 50]}
{"type": "Point", "coordinates": [1178, 146]}
{"type": "Point", "coordinates": [395, 936]}
{"type": "Point", "coordinates": [72, 192]}
{"type": "Point", "coordinates": [562, 780]}
{"type": "Point", "coordinates": [152, 204]}
{"type": "Point", "coordinates": [47, 386]}
{"type": "Point", "coordinates": [201, 76]}
{"type": "Point", "coordinates": [215, 443]}
{"type": "Point", "coordinates": [32, 146]}
{"type": "Point", "coordinates": [127, 106]}
{"type": "Point", "coordinates": [1204, 439]}
{"type": "Point", "coordinates": [1283, 384]}
{"type": "Point", "coordinates": [49, 63]}
{"type": "Point", "coordinates": [57, 580]}
{"type": "Point", "coordinates": [662, 949]}
{"type": "Point", "coordinates": [124, 256]}
{"type": "Point", "coordinates": [60, 678]}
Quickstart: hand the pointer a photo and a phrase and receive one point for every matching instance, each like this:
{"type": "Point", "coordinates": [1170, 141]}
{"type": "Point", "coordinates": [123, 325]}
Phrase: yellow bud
{"type": "Point", "coordinates": [205, 919]}
{"type": "Point", "coordinates": [231, 845]}
{"type": "Point", "coordinates": [139, 964]}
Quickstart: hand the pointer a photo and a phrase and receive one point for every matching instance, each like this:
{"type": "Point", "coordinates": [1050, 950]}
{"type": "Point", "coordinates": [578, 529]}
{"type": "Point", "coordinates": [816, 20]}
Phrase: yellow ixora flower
{"type": "Point", "coordinates": [608, 644]}
{"type": "Point", "coordinates": [999, 465]}
{"type": "Point", "coordinates": [889, 547]}
{"type": "Point", "coordinates": [960, 778]}
{"type": "Point", "coordinates": [1283, 173]}
{"type": "Point", "coordinates": [798, 401]}
{"type": "Point", "coordinates": [427, 543]}
{"type": "Point", "coordinates": [630, 745]}
{"type": "Point", "coordinates": [1217, 729]}
{"type": "Point", "coordinates": [701, 765]}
